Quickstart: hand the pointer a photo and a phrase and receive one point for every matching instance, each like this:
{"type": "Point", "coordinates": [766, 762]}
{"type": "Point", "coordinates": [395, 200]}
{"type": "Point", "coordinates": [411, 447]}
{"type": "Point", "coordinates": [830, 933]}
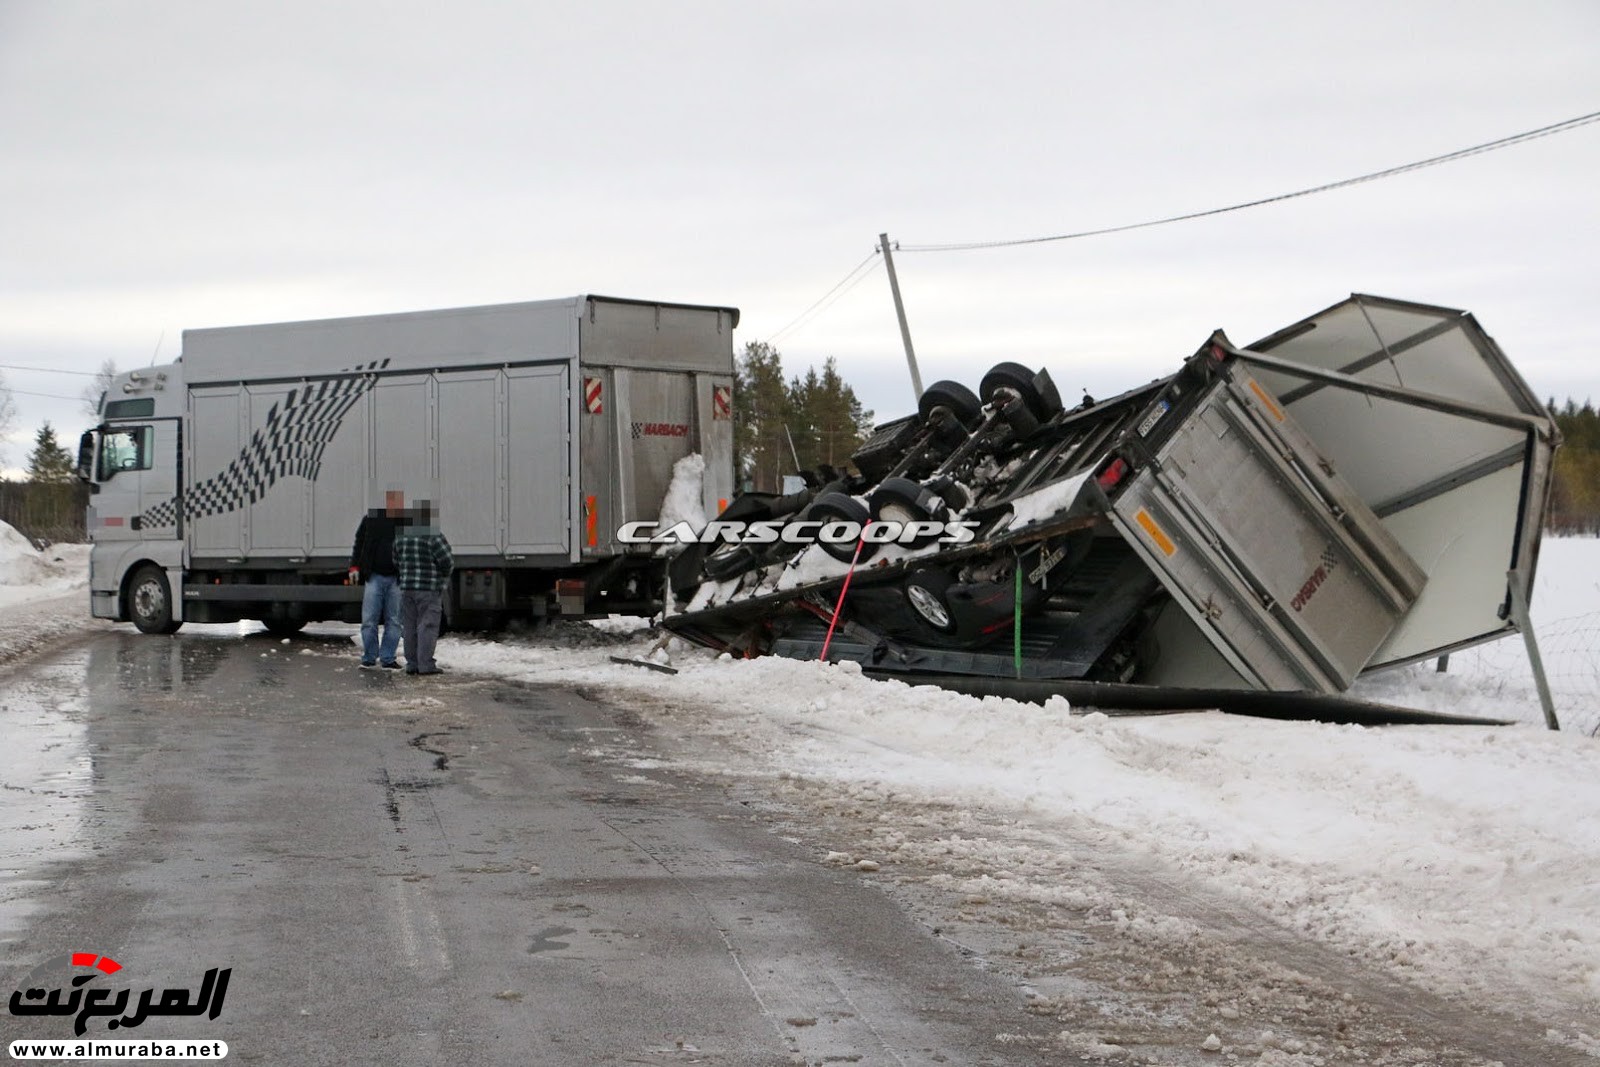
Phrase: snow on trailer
{"type": "Point", "coordinates": [1362, 489]}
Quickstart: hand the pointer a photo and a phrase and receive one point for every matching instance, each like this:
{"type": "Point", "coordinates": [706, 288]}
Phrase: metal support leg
{"type": "Point", "coordinates": [1519, 614]}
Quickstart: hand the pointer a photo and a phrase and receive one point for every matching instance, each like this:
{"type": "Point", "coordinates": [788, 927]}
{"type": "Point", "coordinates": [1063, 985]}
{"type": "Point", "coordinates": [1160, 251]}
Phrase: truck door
{"type": "Point", "coordinates": [137, 471]}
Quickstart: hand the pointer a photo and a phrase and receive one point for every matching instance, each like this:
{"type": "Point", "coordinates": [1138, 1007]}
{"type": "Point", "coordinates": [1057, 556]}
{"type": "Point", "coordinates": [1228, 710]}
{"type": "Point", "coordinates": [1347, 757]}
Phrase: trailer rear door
{"type": "Point", "coordinates": [1274, 559]}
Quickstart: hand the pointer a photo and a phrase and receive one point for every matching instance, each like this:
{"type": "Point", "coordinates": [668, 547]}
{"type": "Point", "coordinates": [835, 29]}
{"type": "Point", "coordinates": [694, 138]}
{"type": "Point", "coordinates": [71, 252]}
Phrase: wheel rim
{"type": "Point", "coordinates": [148, 600]}
{"type": "Point", "coordinates": [928, 605]}
{"type": "Point", "coordinates": [895, 512]}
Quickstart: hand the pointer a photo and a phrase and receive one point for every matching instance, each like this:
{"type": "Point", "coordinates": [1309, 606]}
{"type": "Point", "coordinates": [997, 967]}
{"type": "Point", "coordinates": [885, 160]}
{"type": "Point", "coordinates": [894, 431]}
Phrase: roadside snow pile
{"type": "Point", "coordinates": [26, 574]}
{"type": "Point", "coordinates": [1460, 856]}
{"type": "Point", "coordinates": [684, 496]}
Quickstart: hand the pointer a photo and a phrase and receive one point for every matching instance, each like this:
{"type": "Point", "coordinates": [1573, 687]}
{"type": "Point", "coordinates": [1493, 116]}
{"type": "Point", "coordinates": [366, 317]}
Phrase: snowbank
{"type": "Point", "coordinates": [28, 575]}
{"type": "Point", "coordinates": [1461, 856]}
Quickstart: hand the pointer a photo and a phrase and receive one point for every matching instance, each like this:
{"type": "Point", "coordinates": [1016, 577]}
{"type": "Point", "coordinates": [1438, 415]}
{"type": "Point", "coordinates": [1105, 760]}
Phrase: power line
{"type": "Point", "coordinates": [49, 370]}
{"type": "Point", "coordinates": [842, 286]}
{"type": "Point", "coordinates": [46, 396]}
{"type": "Point", "coordinates": [1449, 157]}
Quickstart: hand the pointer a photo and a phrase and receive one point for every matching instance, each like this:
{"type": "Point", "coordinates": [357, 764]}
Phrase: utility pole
{"type": "Point", "coordinates": [900, 312]}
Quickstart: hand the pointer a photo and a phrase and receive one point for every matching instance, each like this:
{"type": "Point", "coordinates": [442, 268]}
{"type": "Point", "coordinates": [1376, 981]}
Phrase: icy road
{"type": "Point", "coordinates": [471, 870]}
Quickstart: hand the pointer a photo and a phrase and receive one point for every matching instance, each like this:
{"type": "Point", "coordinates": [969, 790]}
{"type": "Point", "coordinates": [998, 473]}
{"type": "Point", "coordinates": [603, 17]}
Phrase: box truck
{"type": "Point", "coordinates": [228, 484]}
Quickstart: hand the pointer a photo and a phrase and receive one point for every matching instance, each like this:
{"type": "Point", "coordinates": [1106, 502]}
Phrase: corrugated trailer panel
{"type": "Point", "coordinates": [403, 438]}
{"type": "Point", "coordinates": [217, 430]}
{"type": "Point", "coordinates": [343, 477]}
{"type": "Point", "coordinates": [276, 521]}
{"type": "Point", "coordinates": [471, 488]}
{"type": "Point", "coordinates": [540, 519]}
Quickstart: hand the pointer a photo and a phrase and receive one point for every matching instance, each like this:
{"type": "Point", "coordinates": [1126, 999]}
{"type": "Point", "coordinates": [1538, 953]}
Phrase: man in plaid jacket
{"type": "Point", "coordinates": [422, 557]}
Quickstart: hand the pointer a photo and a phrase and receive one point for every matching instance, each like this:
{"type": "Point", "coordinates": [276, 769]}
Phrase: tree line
{"type": "Point", "coordinates": [786, 425]}
{"type": "Point", "coordinates": [48, 503]}
{"type": "Point", "coordinates": [1575, 496]}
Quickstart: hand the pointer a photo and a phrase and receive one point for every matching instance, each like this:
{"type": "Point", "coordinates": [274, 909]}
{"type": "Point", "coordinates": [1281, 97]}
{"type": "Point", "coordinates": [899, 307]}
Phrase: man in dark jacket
{"type": "Point", "coordinates": [424, 560]}
{"type": "Point", "coordinates": [372, 562]}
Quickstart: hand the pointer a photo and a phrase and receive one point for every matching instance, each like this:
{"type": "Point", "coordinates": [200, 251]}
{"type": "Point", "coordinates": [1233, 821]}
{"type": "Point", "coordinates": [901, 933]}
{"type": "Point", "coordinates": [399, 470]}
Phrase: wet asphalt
{"type": "Point", "coordinates": [435, 871]}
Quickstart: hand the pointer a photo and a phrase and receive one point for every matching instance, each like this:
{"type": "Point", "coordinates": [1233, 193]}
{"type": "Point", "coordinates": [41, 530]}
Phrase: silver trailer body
{"type": "Point", "coordinates": [535, 429]}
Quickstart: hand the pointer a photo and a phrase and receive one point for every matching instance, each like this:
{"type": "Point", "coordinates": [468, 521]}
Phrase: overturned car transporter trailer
{"type": "Point", "coordinates": [1360, 490]}
{"type": "Point", "coordinates": [228, 485]}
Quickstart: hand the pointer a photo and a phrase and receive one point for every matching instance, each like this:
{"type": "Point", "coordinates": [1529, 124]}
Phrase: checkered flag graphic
{"type": "Point", "coordinates": [291, 442]}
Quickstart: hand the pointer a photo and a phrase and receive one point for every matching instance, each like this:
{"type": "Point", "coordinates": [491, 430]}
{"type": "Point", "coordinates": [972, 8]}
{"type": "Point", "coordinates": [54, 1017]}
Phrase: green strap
{"type": "Point", "coordinates": [1016, 622]}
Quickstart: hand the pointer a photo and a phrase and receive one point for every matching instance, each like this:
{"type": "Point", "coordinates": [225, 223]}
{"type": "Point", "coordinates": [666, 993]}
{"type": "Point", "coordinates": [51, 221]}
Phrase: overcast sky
{"type": "Point", "coordinates": [167, 165]}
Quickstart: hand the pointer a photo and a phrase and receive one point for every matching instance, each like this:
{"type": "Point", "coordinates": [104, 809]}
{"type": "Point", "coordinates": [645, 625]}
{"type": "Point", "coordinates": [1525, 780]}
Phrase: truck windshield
{"type": "Point", "coordinates": [125, 450]}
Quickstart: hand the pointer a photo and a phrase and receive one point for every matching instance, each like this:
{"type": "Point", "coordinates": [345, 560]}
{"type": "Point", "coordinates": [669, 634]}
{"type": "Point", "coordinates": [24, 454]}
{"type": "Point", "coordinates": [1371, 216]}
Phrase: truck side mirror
{"type": "Point", "coordinates": [85, 470]}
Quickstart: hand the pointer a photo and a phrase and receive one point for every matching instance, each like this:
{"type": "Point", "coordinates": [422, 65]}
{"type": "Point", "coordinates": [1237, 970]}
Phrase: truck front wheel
{"type": "Point", "coordinates": [150, 601]}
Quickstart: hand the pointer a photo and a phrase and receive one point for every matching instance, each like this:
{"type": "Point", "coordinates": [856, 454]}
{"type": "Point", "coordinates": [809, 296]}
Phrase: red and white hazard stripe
{"type": "Point", "coordinates": [593, 402]}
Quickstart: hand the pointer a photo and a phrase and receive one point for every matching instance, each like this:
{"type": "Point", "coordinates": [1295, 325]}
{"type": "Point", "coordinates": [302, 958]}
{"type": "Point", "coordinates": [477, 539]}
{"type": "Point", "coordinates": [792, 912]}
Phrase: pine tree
{"type": "Point", "coordinates": [49, 463]}
{"type": "Point", "coordinates": [1575, 492]}
{"type": "Point", "coordinates": [786, 427]}
{"type": "Point", "coordinates": [841, 422]}
{"type": "Point", "coordinates": [761, 404]}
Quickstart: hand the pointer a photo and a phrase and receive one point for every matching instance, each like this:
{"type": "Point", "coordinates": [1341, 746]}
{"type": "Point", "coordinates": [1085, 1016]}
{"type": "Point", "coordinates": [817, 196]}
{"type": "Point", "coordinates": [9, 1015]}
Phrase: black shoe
{"type": "Point", "coordinates": [436, 670]}
{"type": "Point", "coordinates": [368, 664]}
{"type": "Point", "coordinates": [411, 670]}
{"type": "Point", "coordinates": [390, 665]}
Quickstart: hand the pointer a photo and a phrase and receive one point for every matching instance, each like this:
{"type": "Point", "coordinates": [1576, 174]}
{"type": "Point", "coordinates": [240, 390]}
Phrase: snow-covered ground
{"type": "Point", "coordinates": [1466, 859]}
{"type": "Point", "coordinates": [1462, 859]}
{"type": "Point", "coordinates": [28, 575]}
{"type": "Point", "coordinates": [42, 594]}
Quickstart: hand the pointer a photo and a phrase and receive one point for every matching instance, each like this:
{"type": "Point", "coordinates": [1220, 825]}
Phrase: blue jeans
{"type": "Point", "coordinates": [380, 603]}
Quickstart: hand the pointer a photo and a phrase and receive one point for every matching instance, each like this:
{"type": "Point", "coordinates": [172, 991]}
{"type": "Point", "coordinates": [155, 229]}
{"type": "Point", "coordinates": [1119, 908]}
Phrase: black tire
{"type": "Point", "coordinates": [1036, 390]}
{"type": "Point", "coordinates": [1020, 417]}
{"type": "Point", "coordinates": [283, 627]}
{"type": "Point", "coordinates": [831, 507]}
{"type": "Point", "coordinates": [956, 398]}
{"type": "Point", "coordinates": [726, 561]}
{"type": "Point", "coordinates": [903, 500]}
{"type": "Point", "coordinates": [926, 595]}
{"type": "Point", "coordinates": [150, 601]}
{"type": "Point", "coordinates": [948, 490]}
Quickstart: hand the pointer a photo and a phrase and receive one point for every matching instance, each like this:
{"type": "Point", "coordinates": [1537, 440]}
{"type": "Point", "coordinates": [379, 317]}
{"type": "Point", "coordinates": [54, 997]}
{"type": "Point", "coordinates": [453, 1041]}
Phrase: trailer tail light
{"type": "Point", "coordinates": [1112, 474]}
{"type": "Point", "coordinates": [1218, 353]}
